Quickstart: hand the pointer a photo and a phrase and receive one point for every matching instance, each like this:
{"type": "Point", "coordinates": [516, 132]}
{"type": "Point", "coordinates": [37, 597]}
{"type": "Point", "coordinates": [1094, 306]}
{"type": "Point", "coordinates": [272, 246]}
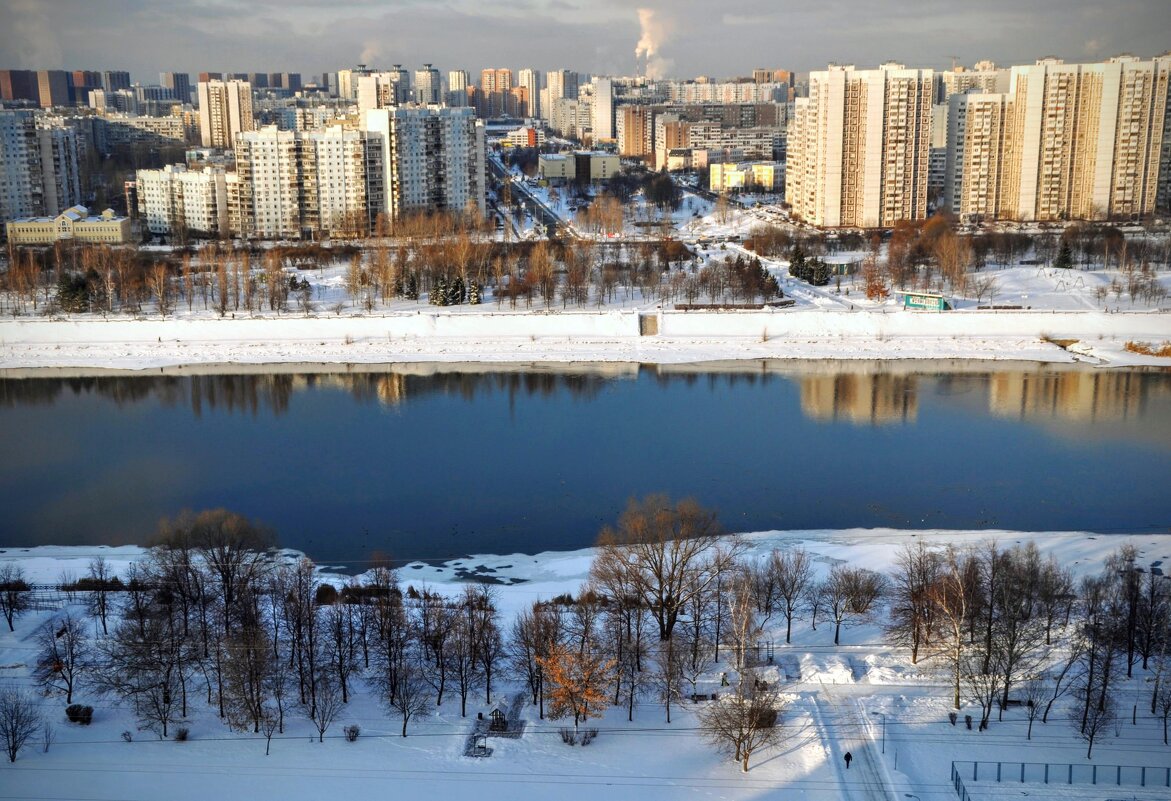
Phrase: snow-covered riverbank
{"type": "Point", "coordinates": [864, 696]}
{"type": "Point", "coordinates": [610, 336]}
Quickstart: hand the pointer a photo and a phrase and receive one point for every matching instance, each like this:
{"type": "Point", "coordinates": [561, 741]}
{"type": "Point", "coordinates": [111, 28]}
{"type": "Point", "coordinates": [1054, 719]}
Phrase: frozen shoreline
{"type": "Point", "coordinates": [570, 337]}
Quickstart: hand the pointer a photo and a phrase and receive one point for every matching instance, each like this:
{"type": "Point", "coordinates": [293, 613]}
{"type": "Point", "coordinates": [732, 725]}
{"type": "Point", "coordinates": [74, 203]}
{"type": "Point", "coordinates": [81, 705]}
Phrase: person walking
{"type": "Point", "coordinates": [849, 758]}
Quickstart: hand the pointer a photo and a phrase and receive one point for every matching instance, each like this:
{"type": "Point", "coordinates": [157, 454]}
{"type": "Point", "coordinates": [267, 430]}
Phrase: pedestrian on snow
{"type": "Point", "coordinates": [849, 759]}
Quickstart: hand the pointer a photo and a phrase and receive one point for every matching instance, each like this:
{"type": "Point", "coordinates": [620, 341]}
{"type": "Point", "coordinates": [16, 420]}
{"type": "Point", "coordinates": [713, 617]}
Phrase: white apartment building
{"type": "Point", "coordinates": [21, 190]}
{"type": "Point", "coordinates": [726, 92]}
{"type": "Point", "coordinates": [383, 90]}
{"type": "Point", "coordinates": [530, 80]}
{"type": "Point", "coordinates": [39, 166]}
{"type": "Point", "coordinates": [428, 87]}
{"type": "Point", "coordinates": [225, 109]}
{"type": "Point", "coordinates": [266, 193]}
{"type": "Point", "coordinates": [60, 167]}
{"type": "Point", "coordinates": [333, 165]}
{"type": "Point", "coordinates": [984, 78]}
{"type": "Point", "coordinates": [603, 109]}
{"type": "Point", "coordinates": [432, 158]}
{"type": "Point", "coordinates": [975, 154]}
{"type": "Point", "coordinates": [1066, 141]}
{"type": "Point", "coordinates": [859, 147]}
{"type": "Point", "coordinates": [175, 200]}
{"type": "Point", "coordinates": [457, 88]}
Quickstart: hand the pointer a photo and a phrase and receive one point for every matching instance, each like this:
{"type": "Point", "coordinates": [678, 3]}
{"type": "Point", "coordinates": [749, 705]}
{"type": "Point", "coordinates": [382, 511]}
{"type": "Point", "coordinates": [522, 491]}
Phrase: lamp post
{"type": "Point", "coordinates": [883, 714]}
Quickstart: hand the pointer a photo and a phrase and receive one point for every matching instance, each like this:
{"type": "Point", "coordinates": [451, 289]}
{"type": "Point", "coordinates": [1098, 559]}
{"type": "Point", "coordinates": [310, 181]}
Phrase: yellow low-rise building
{"type": "Point", "coordinates": [74, 224]}
{"type": "Point", "coordinates": [767, 176]}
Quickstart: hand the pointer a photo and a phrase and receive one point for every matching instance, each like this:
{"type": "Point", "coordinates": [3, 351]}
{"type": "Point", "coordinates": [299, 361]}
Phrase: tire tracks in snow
{"type": "Point", "coordinates": [864, 780]}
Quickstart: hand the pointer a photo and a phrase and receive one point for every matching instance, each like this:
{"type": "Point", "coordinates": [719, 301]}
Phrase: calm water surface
{"type": "Point", "coordinates": [433, 462]}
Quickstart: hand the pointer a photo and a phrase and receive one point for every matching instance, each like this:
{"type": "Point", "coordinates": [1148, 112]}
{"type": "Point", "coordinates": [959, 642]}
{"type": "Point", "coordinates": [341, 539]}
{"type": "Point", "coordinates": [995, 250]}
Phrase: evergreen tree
{"type": "Point", "coordinates": [473, 294]}
{"type": "Point", "coordinates": [439, 292]}
{"type": "Point", "coordinates": [797, 263]}
{"type": "Point", "coordinates": [819, 272]}
{"type": "Point", "coordinates": [73, 293]}
{"type": "Point", "coordinates": [1064, 256]}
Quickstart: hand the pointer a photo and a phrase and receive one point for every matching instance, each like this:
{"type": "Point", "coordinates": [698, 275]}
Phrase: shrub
{"type": "Point", "coordinates": [181, 734]}
{"type": "Point", "coordinates": [326, 595]}
{"type": "Point", "coordinates": [588, 735]}
{"type": "Point", "coordinates": [127, 736]}
{"type": "Point", "coordinates": [80, 714]}
{"type": "Point", "coordinates": [1147, 349]}
{"type": "Point", "coordinates": [352, 731]}
{"type": "Point", "coordinates": [568, 735]}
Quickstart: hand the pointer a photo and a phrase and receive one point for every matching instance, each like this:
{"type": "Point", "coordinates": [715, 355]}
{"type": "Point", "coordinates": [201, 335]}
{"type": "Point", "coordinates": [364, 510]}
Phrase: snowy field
{"type": "Point", "coordinates": [863, 696]}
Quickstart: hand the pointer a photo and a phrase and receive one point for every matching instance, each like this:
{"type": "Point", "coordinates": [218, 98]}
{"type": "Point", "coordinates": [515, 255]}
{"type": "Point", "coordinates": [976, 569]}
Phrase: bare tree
{"type": "Point", "coordinates": [14, 592]}
{"type": "Point", "coordinates": [917, 570]}
{"type": "Point", "coordinates": [793, 570]}
{"type": "Point", "coordinates": [19, 720]}
{"type": "Point", "coordinates": [667, 679]}
{"type": "Point", "coordinates": [745, 721]}
{"type": "Point", "coordinates": [666, 553]}
{"type": "Point", "coordinates": [1099, 718]}
{"type": "Point", "coordinates": [269, 724]}
{"type": "Point", "coordinates": [101, 579]}
{"type": "Point", "coordinates": [63, 656]}
{"type": "Point", "coordinates": [1034, 692]}
{"type": "Point", "coordinates": [410, 698]}
{"type": "Point", "coordinates": [850, 592]}
{"type": "Point", "coordinates": [327, 707]}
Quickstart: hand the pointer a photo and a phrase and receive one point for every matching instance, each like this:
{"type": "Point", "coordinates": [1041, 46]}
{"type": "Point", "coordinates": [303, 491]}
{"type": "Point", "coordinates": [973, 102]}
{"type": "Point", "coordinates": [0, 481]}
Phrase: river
{"type": "Point", "coordinates": [434, 461]}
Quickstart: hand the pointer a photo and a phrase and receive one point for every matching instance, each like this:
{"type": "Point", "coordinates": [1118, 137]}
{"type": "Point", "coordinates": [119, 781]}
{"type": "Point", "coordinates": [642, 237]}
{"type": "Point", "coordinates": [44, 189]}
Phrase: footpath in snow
{"type": "Point", "coordinates": [647, 336]}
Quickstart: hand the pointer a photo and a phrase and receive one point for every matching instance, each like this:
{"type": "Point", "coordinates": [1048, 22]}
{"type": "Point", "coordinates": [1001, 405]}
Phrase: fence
{"type": "Point", "coordinates": [1056, 773]}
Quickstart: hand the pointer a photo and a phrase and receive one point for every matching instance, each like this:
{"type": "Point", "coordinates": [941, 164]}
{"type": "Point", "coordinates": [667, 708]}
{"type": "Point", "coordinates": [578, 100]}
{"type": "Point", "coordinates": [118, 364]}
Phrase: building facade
{"type": "Point", "coordinates": [74, 224]}
{"type": "Point", "coordinates": [432, 159]}
{"type": "Point", "coordinates": [225, 109]}
{"type": "Point", "coordinates": [859, 147]}
{"type": "Point", "coordinates": [1066, 141]}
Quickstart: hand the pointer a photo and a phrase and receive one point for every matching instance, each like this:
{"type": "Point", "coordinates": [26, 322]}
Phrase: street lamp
{"type": "Point", "coordinates": [883, 729]}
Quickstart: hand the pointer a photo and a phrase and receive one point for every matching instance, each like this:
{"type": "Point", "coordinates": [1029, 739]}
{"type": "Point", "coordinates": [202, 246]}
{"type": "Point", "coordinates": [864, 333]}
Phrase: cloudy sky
{"type": "Point", "coordinates": [685, 37]}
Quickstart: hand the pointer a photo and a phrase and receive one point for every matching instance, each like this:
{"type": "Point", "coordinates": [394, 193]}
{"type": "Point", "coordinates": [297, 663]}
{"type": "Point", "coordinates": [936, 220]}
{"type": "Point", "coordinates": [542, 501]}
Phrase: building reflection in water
{"type": "Point", "coordinates": [861, 398]}
{"type": "Point", "coordinates": [1081, 396]}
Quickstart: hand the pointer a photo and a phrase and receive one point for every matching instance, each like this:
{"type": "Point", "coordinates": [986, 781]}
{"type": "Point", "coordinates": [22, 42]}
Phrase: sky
{"type": "Point", "coordinates": [681, 38]}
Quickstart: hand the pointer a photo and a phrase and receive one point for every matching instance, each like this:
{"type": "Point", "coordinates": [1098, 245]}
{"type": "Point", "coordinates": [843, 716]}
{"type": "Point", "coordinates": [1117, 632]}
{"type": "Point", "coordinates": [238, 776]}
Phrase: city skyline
{"type": "Point", "coordinates": [680, 39]}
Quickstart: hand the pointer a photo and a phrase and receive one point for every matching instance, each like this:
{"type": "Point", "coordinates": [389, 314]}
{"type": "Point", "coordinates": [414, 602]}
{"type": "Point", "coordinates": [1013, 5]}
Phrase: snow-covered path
{"type": "Point", "coordinates": [845, 729]}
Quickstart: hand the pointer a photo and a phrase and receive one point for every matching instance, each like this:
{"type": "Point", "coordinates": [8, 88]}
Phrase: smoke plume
{"type": "Point", "coordinates": [653, 34]}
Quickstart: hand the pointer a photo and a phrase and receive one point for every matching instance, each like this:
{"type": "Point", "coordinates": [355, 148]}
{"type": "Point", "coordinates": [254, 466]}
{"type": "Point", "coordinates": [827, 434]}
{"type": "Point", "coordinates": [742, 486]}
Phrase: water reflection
{"type": "Point", "coordinates": [858, 393]}
{"type": "Point", "coordinates": [480, 458]}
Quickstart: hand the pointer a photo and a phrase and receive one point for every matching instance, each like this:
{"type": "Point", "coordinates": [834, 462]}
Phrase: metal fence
{"type": "Point", "coordinates": [1056, 773]}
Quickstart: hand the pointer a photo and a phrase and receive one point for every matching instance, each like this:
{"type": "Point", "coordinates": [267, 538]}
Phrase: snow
{"type": "Point", "coordinates": [581, 336]}
{"type": "Point", "coordinates": [837, 705]}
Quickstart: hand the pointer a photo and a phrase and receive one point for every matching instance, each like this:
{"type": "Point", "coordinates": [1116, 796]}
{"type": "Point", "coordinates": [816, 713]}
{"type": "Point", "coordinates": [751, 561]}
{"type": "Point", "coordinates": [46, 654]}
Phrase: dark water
{"type": "Point", "coordinates": [431, 462]}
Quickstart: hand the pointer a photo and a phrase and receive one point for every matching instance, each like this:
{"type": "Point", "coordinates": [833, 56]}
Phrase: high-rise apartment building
{"type": "Point", "coordinates": [113, 80]}
{"type": "Point", "coordinates": [561, 83]}
{"type": "Point", "coordinates": [265, 195]}
{"type": "Point", "coordinates": [530, 80]}
{"type": "Point", "coordinates": [428, 86]}
{"type": "Point", "coordinates": [39, 166]}
{"type": "Point", "coordinates": [53, 88]}
{"type": "Point", "coordinates": [178, 84]}
{"type": "Point", "coordinates": [81, 83]}
{"type": "Point", "coordinates": [383, 90]}
{"type": "Point", "coordinates": [603, 121]}
{"type": "Point", "coordinates": [457, 88]}
{"type": "Point", "coordinates": [21, 190]}
{"type": "Point", "coordinates": [1066, 141]}
{"type": "Point", "coordinates": [336, 193]}
{"type": "Point", "coordinates": [983, 78]}
{"type": "Point", "coordinates": [177, 201]}
{"type": "Point", "coordinates": [225, 109]}
{"type": "Point", "coordinates": [293, 184]}
{"type": "Point", "coordinates": [19, 85]}
{"type": "Point", "coordinates": [432, 159]}
{"type": "Point", "coordinates": [495, 85]}
{"type": "Point", "coordinates": [859, 147]}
